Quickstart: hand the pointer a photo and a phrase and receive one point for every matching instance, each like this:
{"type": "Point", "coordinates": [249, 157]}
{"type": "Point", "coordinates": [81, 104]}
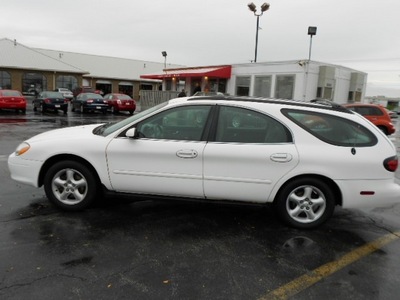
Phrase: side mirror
{"type": "Point", "coordinates": [131, 133]}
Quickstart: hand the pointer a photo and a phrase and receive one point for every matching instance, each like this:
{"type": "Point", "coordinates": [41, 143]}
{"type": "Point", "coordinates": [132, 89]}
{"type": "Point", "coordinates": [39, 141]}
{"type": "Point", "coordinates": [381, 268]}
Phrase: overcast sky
{"type": "Point", "coordinates": [360, 34]}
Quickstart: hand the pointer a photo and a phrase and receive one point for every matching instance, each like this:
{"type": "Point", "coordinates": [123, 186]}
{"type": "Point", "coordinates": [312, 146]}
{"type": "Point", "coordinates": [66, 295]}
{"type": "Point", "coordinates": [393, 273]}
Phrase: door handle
{"type": "Point", "coordinates": [281, 157]}
{"type": "Point", "coordinates": [190, 153]}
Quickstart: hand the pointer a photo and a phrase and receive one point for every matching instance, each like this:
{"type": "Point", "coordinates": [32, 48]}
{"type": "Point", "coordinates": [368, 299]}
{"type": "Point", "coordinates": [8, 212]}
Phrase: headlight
{"type": "Point", "coordinates": [22, 148]}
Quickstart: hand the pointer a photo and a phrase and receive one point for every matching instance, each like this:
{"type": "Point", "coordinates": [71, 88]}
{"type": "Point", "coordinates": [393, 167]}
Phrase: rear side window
{"type": "Point", "coordinates": [239, 125]}
{"type": "Point", "coordinates": [332, 129]}
{"type": "Point", "coordinates": [367, 110]}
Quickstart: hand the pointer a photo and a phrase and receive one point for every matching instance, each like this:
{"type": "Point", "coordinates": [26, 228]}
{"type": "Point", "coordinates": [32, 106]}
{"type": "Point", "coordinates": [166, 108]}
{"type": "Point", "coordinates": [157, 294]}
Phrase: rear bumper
{"type": "Point", "coordinates": [125, 107]}
{"type": "Point", "coordinates": [368, 193]}
{"type": "Point", "coordinates": [13, 105]}
{"type": "Point", "coordinates": [63, 106]}
{"type": "Point", "coordinates": [94, 107]}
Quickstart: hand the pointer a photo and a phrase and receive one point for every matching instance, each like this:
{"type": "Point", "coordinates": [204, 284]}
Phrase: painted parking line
{"type": "Point", "coordinates": [305, 281]}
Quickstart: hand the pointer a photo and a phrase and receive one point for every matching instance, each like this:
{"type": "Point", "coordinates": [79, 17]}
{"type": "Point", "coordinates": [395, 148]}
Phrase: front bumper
{"type": "Point", "coordinates": [23, 170]}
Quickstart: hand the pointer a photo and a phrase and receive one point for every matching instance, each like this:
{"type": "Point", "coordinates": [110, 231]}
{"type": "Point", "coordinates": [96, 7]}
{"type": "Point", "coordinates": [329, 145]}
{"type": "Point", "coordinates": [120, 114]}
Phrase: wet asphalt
{"type": "Point", "coordinates": [161, 250]}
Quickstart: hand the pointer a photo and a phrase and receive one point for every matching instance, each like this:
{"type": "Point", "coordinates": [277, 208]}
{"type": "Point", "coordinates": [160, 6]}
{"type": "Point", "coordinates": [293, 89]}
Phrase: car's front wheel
{"type": "Point", "coordinates": [305, 203]}
{"type": "Point", "coordinates": [71, 185]}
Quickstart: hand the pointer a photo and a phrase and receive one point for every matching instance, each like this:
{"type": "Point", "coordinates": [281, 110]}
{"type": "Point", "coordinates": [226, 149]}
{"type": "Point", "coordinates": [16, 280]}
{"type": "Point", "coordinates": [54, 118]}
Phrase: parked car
{"type": "Point", "coordinates": [11, 99]}
{"type": "Point", "coordinates": [49, 100]}
{"type": "Point", "coordinates": [89, 102]}
{"type": "Point", "coordinates": [82, 89]}
{"type": "Point", "coordinates": [377, 114]}
{"type": "Point", "coordinates": [120, 102]}
{"type": "Point", "coordinates": [66, 93]}
{"type": "Point", "coordinates": [191, 148]}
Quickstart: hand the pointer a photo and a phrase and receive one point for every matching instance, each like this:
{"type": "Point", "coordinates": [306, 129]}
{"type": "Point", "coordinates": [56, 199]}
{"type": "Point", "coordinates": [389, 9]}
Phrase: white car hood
{"type": "Point", "coordinates": [64, 133]}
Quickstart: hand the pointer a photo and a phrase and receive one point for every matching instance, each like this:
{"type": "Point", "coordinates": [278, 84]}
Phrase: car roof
{"type": "Point", "coordinates": [315, 103]}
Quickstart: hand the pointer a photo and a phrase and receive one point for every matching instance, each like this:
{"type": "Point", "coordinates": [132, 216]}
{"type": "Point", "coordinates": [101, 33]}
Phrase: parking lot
{"type": "Point", "coordinates": [124, 249]}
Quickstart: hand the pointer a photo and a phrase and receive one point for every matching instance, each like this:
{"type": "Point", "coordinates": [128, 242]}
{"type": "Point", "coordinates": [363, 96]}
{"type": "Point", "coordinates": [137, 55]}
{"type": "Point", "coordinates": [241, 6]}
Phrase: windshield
{"type": "Point", "coordinates": [109, 128]}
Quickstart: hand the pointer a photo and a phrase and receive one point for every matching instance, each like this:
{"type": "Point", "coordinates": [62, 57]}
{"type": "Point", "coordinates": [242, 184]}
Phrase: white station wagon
{"type": "Point", "coordinates": [304, 157]}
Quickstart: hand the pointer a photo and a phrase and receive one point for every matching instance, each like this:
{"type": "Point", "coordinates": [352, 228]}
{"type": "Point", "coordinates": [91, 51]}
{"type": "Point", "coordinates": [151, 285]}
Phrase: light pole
{"type": "Point", "coordinates": [312, 30]}
{"type": "Point", "coordinates": [164, 53]}
{"type": "Point", "coordinates": [252, 7]}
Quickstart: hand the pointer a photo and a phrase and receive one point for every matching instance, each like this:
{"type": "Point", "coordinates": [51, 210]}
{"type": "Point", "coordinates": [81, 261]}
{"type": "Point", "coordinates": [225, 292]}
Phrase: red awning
{"type": "Point", "coordinates": [212, 72]}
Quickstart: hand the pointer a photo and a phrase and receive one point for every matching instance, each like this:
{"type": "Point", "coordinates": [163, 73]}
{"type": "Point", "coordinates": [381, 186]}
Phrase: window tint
{"type": "Point", "coordinates": [332, 129]}
{"type": "Point", "coordinates": [367, 110]}
{"type": "Point", "coordinates": [181, 123]}
{"type": "Point", "coordinates": [245, 126]}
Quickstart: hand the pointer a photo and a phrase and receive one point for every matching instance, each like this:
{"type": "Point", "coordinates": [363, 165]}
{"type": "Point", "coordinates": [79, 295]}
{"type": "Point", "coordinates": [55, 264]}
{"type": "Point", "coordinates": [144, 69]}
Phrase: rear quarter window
{"type": "Point", "coordinates": [332, 129]}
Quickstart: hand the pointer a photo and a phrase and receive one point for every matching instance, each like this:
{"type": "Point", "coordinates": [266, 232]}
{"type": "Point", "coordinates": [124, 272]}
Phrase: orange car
{"type": "Point", "coordinates": [377, 114]}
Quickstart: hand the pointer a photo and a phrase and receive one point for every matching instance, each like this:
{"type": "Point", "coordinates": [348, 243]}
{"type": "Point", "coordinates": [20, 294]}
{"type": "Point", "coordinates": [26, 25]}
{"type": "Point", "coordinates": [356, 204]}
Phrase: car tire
{"type": "Point", "coordinates": [34, 108]}
{"type": "Point", "coordinates": [131, 112]}
{"type": "Point", "coordinates": [42, 108]}
{"type": "Point", "coordinates": [70, 185]}
{"type": "Point", "coordinates": [305, 203]}
{"type": "Point", "coordinates": [65, 111]}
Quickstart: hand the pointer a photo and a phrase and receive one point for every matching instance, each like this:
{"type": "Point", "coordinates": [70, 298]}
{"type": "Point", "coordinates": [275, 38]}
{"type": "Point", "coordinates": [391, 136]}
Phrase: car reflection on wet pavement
{"type": "Point", "coordinates": [170, 250]}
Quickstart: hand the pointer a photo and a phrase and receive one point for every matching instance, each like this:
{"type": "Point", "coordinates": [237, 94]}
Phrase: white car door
{"type": "Point", "coordinates": [251, 152]}
{"type": "Point", "coordinates": [166, 159]}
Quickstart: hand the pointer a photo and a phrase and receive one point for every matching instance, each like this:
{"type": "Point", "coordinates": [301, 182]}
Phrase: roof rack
{"type": "Point", "coordinates": [321, 103]}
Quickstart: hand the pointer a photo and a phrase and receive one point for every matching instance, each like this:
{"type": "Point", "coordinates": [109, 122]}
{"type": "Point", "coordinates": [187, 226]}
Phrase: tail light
{"type": "Point", "coordinates": [105, 101]}
{"type": "Point", "coordinates": [65, 100]}
{"type": "Point", "coordinates": [89, 101]}
{"type": "Point", "coordinates": [47, 100]}
{"type": "Point", "coordinates": [119, 101]}
{"type": "Point", "coordinates": [391, 163]}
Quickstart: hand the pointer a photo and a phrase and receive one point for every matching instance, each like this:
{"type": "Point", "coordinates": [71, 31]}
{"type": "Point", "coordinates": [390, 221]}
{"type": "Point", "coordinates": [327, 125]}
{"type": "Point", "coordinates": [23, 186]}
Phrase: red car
{"type": "Point", "coordinates": [377, 114]}
{"type": "Point", "coordinates": [120, 102]}
{"type": "Point", "coordinates": [11, 99]}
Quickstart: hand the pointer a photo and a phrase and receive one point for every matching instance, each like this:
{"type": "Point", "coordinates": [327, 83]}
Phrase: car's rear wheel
{"type": "Point", "coordinates": [71, 185]}
{"type": "Point", "coordinates": [42, 108]}
{"type": "Point", "coordinates": [131, 112]}
{"type": "Point", "coordinates": [305, 203]}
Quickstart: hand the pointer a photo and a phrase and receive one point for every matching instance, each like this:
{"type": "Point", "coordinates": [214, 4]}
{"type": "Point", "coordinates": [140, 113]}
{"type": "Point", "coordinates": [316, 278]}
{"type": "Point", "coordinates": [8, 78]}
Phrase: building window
{"type": "Point", "coordinates": [284, 86]}
{"type": "Point", "coordinates": [243, 86]}
{"type": "Point", "coordinates": [67, 81]}
{"type": "Point", "coordinates": [262, 86]}
{"type": "Point", "coordinates": [33, 83]}
{"type": "Point", "coordinates": [5, 80]}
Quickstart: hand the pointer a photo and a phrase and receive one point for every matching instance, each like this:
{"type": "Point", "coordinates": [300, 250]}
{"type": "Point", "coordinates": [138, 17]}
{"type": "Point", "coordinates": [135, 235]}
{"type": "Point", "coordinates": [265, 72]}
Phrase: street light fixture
{"type": "Point", "coordinates": [253, 8]}
{"type": "Point", "coordinates": [164, 53]}
{"type": "Point", "coordinates": [312, 30]}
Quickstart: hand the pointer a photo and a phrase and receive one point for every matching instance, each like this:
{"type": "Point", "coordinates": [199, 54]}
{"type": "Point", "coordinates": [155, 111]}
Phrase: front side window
{"type": "Point", "coordinates": [180, 123]}
{"type": "Point", "coordinates": [332, 129]}
{"type": "Point", "coordinates": [239, 125]}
